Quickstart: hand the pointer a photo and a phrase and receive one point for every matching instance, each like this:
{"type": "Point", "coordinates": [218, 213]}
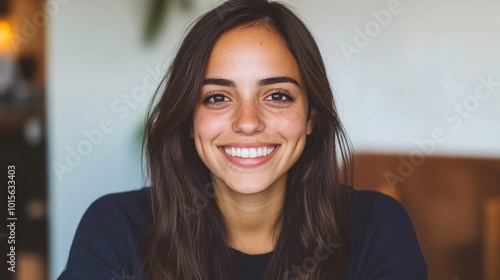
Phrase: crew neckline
{"type": "Point", "coordinates": [253, 255]}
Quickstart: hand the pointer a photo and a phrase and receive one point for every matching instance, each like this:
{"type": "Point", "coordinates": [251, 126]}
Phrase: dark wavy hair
{"type": "Point", "coordinates": [188, 238]}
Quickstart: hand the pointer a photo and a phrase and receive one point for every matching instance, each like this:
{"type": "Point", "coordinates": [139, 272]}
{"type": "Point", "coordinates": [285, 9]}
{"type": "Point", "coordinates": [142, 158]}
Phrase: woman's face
{"type": "Point", "coordinates": [250, 122]}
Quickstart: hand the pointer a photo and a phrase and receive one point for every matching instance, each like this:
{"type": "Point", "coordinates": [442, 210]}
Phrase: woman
{"type": "Point", "coordinates": [248, 163]}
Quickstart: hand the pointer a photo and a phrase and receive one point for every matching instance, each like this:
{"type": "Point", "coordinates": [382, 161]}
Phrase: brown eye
{"type": "Point", "coordinates": [218, 98]}
{"type": "Point", "coordinates": [215, 99]}
{"type": "Point", "coordinates": [280, 97]}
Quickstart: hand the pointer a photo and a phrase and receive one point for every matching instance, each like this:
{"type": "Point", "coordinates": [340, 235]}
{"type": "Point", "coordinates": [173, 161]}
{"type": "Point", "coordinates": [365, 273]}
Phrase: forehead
{"type": "Point", "coordinates": [256, 49]}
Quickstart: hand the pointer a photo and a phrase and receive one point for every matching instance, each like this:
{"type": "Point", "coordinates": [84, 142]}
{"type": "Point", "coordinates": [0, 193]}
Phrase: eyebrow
{"type": "Point", "coordinates": [219, 82]}
{"type": "Point", "coordinates": [263, 82]}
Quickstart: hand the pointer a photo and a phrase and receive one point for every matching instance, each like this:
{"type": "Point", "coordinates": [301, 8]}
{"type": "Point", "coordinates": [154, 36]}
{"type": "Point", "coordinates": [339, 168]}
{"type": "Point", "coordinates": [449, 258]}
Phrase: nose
{"type": "Point", "coordinates": [248, 118]}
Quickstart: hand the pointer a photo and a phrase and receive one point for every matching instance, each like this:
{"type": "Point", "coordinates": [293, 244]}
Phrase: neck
{"type": "Point", "coordinates": [252, 220]}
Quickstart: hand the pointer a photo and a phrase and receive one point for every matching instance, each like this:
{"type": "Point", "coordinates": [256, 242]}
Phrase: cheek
{"type": "Point", "coordinates": [290, 124]}
{"type": "Point", "coordinates": [206, 126]}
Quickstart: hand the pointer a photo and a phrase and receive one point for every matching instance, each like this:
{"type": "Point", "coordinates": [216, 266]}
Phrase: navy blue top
{"type": "Point", "coordinates": [383, 244]}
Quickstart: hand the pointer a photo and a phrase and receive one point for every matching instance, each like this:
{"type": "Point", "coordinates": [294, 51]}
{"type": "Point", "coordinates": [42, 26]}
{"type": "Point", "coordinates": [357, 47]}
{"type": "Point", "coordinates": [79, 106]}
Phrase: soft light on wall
{"type": "Point", "coordinates": [6, 57]}
{"type": "Point", "coordinates": [5, 36]}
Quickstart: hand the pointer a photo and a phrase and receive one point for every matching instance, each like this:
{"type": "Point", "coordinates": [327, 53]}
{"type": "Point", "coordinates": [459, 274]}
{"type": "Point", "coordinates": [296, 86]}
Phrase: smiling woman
{"type": "Point", "coordinates": [251, 125]}
{"type": "Point", "coordinates": [250, 170]}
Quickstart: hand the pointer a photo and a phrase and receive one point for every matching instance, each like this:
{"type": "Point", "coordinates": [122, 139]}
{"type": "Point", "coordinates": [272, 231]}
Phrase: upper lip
{"type": "Point", "coordinates": [248, 145]}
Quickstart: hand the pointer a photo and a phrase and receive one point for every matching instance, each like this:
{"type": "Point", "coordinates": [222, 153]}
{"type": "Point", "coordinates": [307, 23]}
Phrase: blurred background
{"type": "Point", "coordinates": [417, 85]}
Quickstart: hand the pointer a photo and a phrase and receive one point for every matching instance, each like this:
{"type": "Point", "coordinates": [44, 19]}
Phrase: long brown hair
{"type": "Point", "coordinates": [188, 238]}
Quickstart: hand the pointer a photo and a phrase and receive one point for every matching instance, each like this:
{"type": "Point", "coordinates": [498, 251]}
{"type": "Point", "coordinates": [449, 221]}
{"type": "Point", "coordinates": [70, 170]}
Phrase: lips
{"type": "Point", "coordinates": [242, 152]}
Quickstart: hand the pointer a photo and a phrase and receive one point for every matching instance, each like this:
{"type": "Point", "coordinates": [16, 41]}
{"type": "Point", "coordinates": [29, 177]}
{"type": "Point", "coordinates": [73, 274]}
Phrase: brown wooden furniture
{"type": "Point", "coordinates": [491, 237]}
{"type": "Point", "coordinates": [453, 203]}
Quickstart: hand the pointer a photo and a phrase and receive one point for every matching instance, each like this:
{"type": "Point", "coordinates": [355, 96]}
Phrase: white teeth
{"type": "Point", "coordinates": [248, 152]}
{"type": "Point", "coordinates": [252, 153]}
{"type": "Point", "coordinates": [259, 152]}
{"type": "Point", "coordinates": [244, 153]}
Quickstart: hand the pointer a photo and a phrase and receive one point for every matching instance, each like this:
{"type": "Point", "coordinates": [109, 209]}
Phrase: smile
{"type": "Point", "coordinates": [248, 152]}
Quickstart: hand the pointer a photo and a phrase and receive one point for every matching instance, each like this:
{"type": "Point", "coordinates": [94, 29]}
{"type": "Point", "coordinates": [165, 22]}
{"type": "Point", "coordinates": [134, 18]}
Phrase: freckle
{"type": "Point", "coordinates": [261, 43]}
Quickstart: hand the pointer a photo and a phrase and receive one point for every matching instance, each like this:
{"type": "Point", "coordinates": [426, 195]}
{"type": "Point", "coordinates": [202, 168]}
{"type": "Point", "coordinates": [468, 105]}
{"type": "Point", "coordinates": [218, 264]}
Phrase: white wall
{"type": "Point", "coordinates": [390, 94]}
{"type": "Point", "coordinates": [428, 58]}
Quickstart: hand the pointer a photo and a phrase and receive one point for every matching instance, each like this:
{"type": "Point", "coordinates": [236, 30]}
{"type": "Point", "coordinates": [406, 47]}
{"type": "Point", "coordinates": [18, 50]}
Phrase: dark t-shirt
{"type": "Point", "coordinates": [383, 244]}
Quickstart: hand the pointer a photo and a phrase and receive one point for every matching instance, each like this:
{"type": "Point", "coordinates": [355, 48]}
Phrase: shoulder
{"type": "Point", "coordinates": [109, 236]}
{"type": "Point", "coordinates": [383, 241]}
{"type": "Point", "coordinates": [118, 211]}
{"type": "Point", "coordinates": [130, 203]}
{"type": "Point", "coordinates": [373, 207]}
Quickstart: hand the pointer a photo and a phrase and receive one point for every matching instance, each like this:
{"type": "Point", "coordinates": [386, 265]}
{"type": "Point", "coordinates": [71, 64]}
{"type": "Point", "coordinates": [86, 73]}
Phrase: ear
{"type": "Point", "coordinates": [310, 121]}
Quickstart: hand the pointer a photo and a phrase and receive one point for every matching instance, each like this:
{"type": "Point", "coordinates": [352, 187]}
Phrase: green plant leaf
{"type": "Point", "coordinates": [158, 10]}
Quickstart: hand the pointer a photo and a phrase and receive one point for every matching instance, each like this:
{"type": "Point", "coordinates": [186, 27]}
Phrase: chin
{"type": "Point", "coordinates": [248, 184]}
{"type": "Point", "coordinates": [249, 189]}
